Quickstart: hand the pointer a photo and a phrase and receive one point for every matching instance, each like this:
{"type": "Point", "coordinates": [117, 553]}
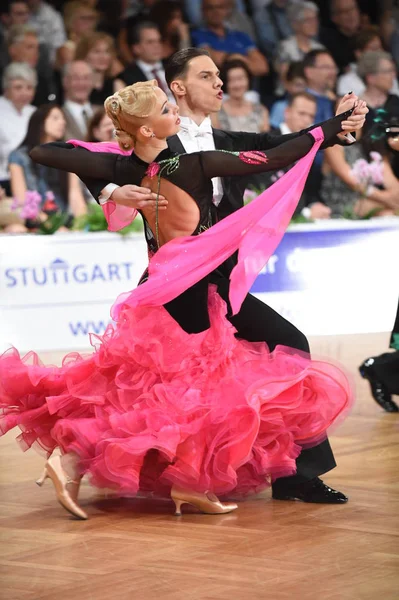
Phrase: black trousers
{"type": "Point", "coordinates": [255, 322]}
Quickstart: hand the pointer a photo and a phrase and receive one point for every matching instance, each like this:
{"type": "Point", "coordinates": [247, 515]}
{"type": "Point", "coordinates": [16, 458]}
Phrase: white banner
{"type": "Point", "coordinates": [334, 277]}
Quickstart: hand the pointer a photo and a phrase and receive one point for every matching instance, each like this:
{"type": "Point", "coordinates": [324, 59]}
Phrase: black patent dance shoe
{"type": "Point", "coordinates": [379, 391]}
{"type": "Point", "coordinates": [314, 490]}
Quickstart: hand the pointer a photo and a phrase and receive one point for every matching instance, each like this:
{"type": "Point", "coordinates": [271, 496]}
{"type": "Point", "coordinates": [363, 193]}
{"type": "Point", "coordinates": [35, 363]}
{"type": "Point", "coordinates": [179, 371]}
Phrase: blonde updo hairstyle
{"type": "Point", "coordinates": [129, 108]}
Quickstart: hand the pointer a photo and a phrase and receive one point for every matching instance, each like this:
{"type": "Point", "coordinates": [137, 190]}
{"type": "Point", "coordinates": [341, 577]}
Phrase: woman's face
{"type": "Point", "coordinates": [20, 93]}
{"type": "Point", "coordinates": [84, 21]}
{"type": "Point", "coordinates": [54, 125]}
{"type": "Point", "coordinates": [100, 57]}
{"type": "Point", "coordinates": [104, 130]}
{"type": "Point", "coordinates": [174, 23]}
{"type": "Point", "coordinates": [237, 82]}
{"type": "Point", "coordinates": [309, 26]}
{"type": "Point", "coordinates": [164, 120]}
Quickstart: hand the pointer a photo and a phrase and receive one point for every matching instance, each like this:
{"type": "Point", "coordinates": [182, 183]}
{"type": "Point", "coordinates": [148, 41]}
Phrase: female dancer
{"type": "Point", "coordinates": [171, 401]}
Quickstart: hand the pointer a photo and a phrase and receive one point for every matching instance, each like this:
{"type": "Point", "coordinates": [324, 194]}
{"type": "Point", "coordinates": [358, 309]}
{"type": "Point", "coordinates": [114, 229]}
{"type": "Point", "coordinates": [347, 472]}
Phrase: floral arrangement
{"type": "Point", "coordinates": [368, 173]}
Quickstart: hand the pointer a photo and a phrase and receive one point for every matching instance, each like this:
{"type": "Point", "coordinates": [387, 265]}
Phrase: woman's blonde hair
{"type": "Point", "coordinates": [88, 42]}
{"type": "Point", "coordinates": [129, 108]}
{"type": "Point", "coordinates": [72, 9]}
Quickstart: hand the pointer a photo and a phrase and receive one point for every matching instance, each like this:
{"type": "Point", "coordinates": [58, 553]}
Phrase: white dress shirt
{"type": "Point", "coordinates": [148, 71]}
{"type": "Point", "coordinates": [194, 138]}
{"type": "Point", "coordinates": [13, 128]}
{"type": "Point", "coordinates": [78, 113]}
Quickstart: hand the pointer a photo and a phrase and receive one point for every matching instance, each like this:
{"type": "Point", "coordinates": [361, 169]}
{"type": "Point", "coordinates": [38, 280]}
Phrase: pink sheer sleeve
{"type": "Point", "coordinates": [255, 230]}
{"type": "Point", "coordinates": [111, 147]}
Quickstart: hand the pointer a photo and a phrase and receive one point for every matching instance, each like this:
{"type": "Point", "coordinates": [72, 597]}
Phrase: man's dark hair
{"type": "Point", "coordinates": [178, 63]}
{"type": "Point", "coordinates": [365, 36]}
{"type": "Point", "coordinates": [311, 57]}
{"type": "Point", "coordinates": [305, 95]}
{"type": "Point", "coordinates": [134, 33]}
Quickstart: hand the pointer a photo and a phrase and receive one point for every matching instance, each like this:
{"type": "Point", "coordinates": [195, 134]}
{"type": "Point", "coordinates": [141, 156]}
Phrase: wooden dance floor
{"type": "Point", "coordinates": [137, 550]}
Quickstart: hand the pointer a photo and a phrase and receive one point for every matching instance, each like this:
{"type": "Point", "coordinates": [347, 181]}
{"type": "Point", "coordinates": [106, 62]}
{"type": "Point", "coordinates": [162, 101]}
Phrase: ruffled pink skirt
{"type": "Point", "coordinates": [154, 406]}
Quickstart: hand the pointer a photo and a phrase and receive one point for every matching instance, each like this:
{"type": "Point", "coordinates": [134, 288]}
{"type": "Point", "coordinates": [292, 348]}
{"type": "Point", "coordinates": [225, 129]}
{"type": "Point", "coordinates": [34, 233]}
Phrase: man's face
{"type": "Point", "coordinates": [19, 13]}
{"type": "Point", "coordinates": [149, 49]}
{"type": "Point", "coordinates": [201, 86]}
{"type": "Point", "coordinates": [346, 16]}
{"type": "Point", "coordinates": [27, 50]}
{"type": "Point", "coordinates": [78, 82]}
{"type": "Point", "coordinates": [323, 76]}
{"type": "Point", "coordinates": [384, 78]}
{"type": "Point", "coordinates": [215, 12]}
{"type": "Point", "coordinates": [301, 114]}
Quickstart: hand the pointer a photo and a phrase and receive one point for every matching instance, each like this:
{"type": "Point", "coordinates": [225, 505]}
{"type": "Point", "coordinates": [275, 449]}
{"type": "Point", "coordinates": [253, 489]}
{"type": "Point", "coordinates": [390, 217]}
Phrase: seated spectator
{"type": "Point", "coordinates": [136, 11]}
{"type": "Point", "coordinates": [377, 70]}
{"type": "Point", "coordinates": [321, 75]}
{"type": "Point", "coordinates": [101, 128]}
{"type": "Point", "coordinates": [19, 83]}
{"type": "Point", "coordinates": [295, 82]}
{"type": "Point", "coordinates": [175, 33]}
{"type": "Point", "coordinates": [272, 26]}
{"type": "Point", "coordinates": [146, 45]}
{"type": "Point", "coordinates": [14, 12]}
{"type": "Point", "coordinates": [221, 42]}
{"type": "Point", "coordinates": [98, 50]}
{"type": "Point", "coordinates": [78, 84]}
{"type": "Point", "coordinates": [237, 113]}
{"type": "Point", "coordinates": [49, 25]}
{"type": "Point", "coordinates": [59, 191]}
{"type": "Point", "coordinates": [193, 10]}
{"type": "Point", "coordinates": [238, 20]}
{"type": "Point", "coordinates": [80, 20]}
{"type": "Point", "coordinates": [299, 114]}
{"type": "Point", "coordinates": [347, 193]}
{"type": "Point", "coordinates": [23, 47]}
{"type": "Point", "coordinates": [303, 18]}
{"type": "Point", "coordinates": [367, 40]}
{"type": "Point", "coordinates": [339, 38]}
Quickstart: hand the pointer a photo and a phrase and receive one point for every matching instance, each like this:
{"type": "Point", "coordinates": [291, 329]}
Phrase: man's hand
{"type": "Point", "coordinates": [137, 197]}
{"type": "Point", "coordinates": [357, 119]}
{"type": "Point", "coordinates": [318, 210]}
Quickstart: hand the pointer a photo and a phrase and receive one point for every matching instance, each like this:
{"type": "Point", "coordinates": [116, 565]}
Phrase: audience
{"type": "Point", "coordinates": [146, 46]}
{"type": "Point", "coordinates": [338, 39]}
{"type": "Point", "coordinates": [367, 40]}
{"type": "Point", "coordinates": [80, 20]}
{"type": "Point", "coordinates": [59, 191]}
{"type": "Point", "coordinates": [19, 83]}
{"type": "Point", "coordinates": [303, 18]}
{"type": "Point", "coordinates": [272, 26]}
{"type": "Point", "coordinates": [321, 74]}
{"type": "Point", "coordinates": [98, 50]}
{"type": "Point", "coordinates": [77, 109]}
{"type": "Point", "coordinates": [346, 194]}
{"type": "Point", "coordinates": [270, 53]}
{"type": "Point", "coordinates": [294, 82]}
{"type": "Point", "coordinates": [175, 33]}
{"type": "Point", "coordinates": [23, 47]}
{"type": "Point", "coordinates": [49, 25]}
{"type": "Point", "coordinates": [238, 113]}
{"type": "Point", "coordinates": [222, 42]}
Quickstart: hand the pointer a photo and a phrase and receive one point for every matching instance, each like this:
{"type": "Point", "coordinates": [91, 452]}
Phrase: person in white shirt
{"type": "Point", "coordinates": [77, 84]}
{"type": "Point", "coordinates": [146, 45]}
{"type": "Point", "coordinates": [19, 84]}
{"type": "Point", "coordinates": [49, 25]}
{"type": "Point", "coordinates": [368, 40]}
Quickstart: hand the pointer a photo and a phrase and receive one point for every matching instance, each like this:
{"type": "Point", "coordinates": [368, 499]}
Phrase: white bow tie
{"type": "Point", "coordinates": [194, 131]}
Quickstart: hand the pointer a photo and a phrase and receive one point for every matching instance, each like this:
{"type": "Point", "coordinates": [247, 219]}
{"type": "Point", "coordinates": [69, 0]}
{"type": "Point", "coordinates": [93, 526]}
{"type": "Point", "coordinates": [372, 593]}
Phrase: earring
{"type": "Point", "coordinates": [153, 135]}
{"type": "Point", "coordinates": [126, 146]}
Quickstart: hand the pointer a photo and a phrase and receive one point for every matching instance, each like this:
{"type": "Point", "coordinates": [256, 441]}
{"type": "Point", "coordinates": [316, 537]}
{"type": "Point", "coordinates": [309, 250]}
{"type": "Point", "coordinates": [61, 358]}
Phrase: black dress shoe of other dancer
{"type": "Point", "coordinates": [313, 490]}
{"type": "Point", "coordinates": [379, 391]}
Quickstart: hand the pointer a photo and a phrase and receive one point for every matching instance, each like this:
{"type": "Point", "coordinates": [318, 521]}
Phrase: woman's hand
{"type": "Point", "coordinates": [137, 197]}
{"type": "Point", "coordinates": [357, 119]}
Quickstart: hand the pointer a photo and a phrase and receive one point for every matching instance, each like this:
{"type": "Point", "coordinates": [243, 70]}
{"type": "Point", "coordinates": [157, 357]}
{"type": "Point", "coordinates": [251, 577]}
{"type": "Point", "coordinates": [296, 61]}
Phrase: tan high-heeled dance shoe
{"type": "Point", "coordinates": [54, 471]}
{"type": "Point", "coordinates": [207, 503]}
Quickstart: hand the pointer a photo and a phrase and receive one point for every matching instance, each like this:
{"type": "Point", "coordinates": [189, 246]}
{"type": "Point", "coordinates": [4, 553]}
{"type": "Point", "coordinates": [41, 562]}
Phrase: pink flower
{"type": "Point", "coordinates": [152, 170]}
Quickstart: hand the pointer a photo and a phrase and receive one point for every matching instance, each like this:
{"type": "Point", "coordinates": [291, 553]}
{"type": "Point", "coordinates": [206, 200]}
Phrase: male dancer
{"type": "Point", "coordinates": [194, 80]}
